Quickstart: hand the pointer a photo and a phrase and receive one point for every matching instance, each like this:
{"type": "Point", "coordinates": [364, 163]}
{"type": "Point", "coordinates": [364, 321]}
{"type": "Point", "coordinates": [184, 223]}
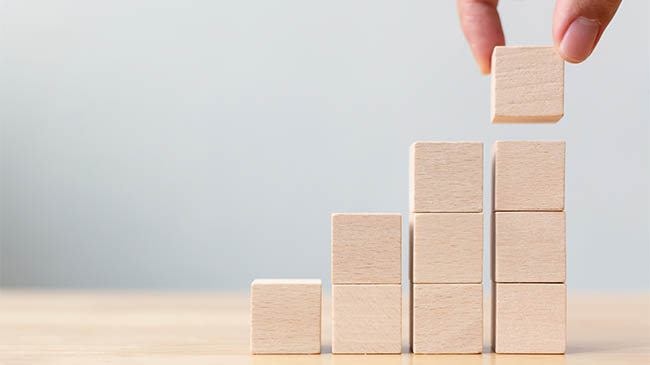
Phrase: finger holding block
{"type": "Point", "coordinates": [366, 319]}
{"type": "Point", "coordinates": [529, 175]}
{"type": "Point", "coordinates": [285, 316]}
{"type": "Point", "coordinates": [447, 318]}
{"type": "Point", "coordinates": [529, 318]}
{"type": "Point", "coordinates": [527, 85]}
{"type": "Point", "coordinates": [366, 248]}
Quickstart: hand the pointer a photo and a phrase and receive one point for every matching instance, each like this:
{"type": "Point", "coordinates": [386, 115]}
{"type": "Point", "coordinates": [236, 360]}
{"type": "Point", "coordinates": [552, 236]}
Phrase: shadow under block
{"type": "Point", "coordinates": [366, 319]}
{"type": "Point", "coordinates": [527, 85]}
{"type": "Point", "coordinates": [446, 177]}
{"type": "Point", "coordinates": [529, 318]}
{"type": "Point", "coordinates": [285, 316]}
{"type": "Point", "coordinates": [366, 249]}
{"type": "Point", "coordinates": [530, 247]}
{"type": "Point", "coordinates": [529, 175]}
{"type": "Point", "coordinates": [447, 318]}
{"type": "Point", "coordinates": [447, 248]}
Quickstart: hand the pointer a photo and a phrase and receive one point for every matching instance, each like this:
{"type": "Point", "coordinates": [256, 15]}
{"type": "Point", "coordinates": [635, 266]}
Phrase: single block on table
{"type": "Point", "coordinates": [285, 316]}
{"type": "Point", "coordinates": [446, 177]}
{"type": "Point", "coordinates": [447, 318]}
{"type": "Point", "coordinates": [529, 175]}
{"type": "Point", "coordinates": [446, 248]}
{"type": "Point", "coordinates": [366, 319]}
{"type": "Point", "coordinates": [366, 249]}
{"type": "Point", "coordinates": [529, 318]}
{"type": "Point", "coordinates": [530, 247]}
{"type": "Point", "coordinates": [527, 85]}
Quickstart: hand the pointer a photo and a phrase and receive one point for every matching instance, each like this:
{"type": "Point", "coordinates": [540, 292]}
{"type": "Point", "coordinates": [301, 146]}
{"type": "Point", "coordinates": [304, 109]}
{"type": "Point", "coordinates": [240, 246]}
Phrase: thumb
{"type": "Point", "coordinates": [578, 25]}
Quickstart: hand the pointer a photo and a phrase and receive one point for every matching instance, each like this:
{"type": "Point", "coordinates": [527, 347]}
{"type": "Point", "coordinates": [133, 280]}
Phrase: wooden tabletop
{"type": "Point", "coordinates": [50, 327]}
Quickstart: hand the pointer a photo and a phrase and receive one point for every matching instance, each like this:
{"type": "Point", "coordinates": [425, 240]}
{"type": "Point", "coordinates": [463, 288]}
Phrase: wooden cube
{"type": "Point", "coordinates": [447, 248]}
{"type": "Point", "coordinates": [366, 248]}
{"type": "Point", "coordinates": [446, 177]}
{"type": "Point", "coordinates": [529, 175]}
{"type": "Point", "coordinates": [530, 247]}
{"type": "Point", "coordinates": [447, 318]}
{"type": "Point", "coordinates": [527, 85]}
{"type": "Point", "coordinates": [366, 319]}
{"type": "Point", "coordinates": [529, 318]}
{"type": "Point", "coordinates": [285, 316]}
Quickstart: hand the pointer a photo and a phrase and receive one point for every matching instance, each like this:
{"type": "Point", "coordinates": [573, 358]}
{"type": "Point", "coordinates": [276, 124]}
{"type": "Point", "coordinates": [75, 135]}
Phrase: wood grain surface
{"type": "Point", "coordinates": [285, 316]}
{"type": "Point", "coordinates": [367, 248]}
{"type": "Point", "coordinates": [366, 319]}
{"type": "Point", "coordinates": [447, 318]}
{"type": "Point", "coordinates": [530, 318]}
{"type": "Point", "coordinates": [446, 248]}
{"type": "Point", "coordinates": [128, 327]}
{"type": "Point", "coordinates": [527, 85]}
{"type": "Point", "coordinates": [530, 247]}
{"type": "Point", "coordinates": [446, 177]}
{"type": "Point", "coordinates": [529, 175]}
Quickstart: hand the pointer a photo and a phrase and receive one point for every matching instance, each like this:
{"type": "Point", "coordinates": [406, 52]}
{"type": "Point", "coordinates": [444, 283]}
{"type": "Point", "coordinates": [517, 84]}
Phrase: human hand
{"type": "Point", "coordinates": [577, 27]}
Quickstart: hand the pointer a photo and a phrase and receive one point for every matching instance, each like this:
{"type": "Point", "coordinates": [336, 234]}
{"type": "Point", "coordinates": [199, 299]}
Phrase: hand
{"type": "Point", "coordinates": [577, 27]}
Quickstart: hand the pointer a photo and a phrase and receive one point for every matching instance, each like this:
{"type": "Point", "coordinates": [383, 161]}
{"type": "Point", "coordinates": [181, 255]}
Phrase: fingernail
{"type": "Point", "coordinates": [579, 39]}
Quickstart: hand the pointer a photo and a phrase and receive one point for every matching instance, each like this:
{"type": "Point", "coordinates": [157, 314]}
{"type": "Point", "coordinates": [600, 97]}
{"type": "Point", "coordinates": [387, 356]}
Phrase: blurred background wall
{"type": "Point", "coordinates": [201, 144]}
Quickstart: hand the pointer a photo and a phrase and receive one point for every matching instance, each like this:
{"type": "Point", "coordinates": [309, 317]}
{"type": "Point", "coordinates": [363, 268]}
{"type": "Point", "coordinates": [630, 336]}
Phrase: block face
{"type": "Point", "coordinates": [446, 177]}
{"type": "Point", "coordinates": [447, 248]}
{"type": "Point", "coordinates": [286, 316]}
{"type": "Point", "coordinates": [366, 249]}
{"type": "Point", "coordinates": [529, 175]}
{"type": "Point", "coordinates": [530, 247]}
{"type": "Point", "coordinates": [366, 319]}
{"type": "Point", "coordinates": [530, 318]}
{"type": "Point", "coordinates": [447, 318]}
{"type": "Point", "coordinates": [527, 85]}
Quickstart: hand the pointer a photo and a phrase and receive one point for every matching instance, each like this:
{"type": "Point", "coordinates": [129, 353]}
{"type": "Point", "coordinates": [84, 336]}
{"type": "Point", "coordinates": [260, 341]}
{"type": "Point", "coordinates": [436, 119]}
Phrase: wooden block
{"type": "Point", "coordinates": [447, 318]}
{"type": "Point", "coordinates": [447, 248]}
{"type": "Point", "coordinates": [529, 318]}
{"type": "Point", "coordinates": [530, 247]}
{"type": "Point", "coordinates": [285, 316]}
{"type": "Point", "coordinates": [446, 177]}
{"type": "Point", "coordinates": [366, 319]}
{"type": "Point", "coordinates": [527, 85]}
{"type": "Point", "coordinates": [529, 175]}
{"type": "Point", "coordinates": [366, 248]}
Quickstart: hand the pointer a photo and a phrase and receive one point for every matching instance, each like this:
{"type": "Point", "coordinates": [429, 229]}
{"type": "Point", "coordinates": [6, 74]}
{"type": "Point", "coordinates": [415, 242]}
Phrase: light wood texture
{"type": "Point", "coordinates": [529, 175]}
{"type": "Point", "coordinates": [446, 177]}
{"type": "Point", "coordinates": [446, 248]}
{"type": "Point", "coordinates": [366, 319]}
{"type": "Point", "coordinates": [127, 327]}
{"type": "Point", "coordinates": [530, 318]}
{"type": "Point", "coordinates": [285, 316]}
{"type": "Point", "coordinates": [447, 318]}
{"type": "Point", "coordinates": [367, 248]}
{"type": "Point", "coordinates": [530, 247]}
{"type": "Point", "coordinates": [527, 85]}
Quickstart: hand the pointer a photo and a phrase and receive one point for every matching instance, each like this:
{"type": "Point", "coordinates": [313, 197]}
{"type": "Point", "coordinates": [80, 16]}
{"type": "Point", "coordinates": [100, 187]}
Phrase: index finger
{"type": "Point", "coordinates": [481, 25]}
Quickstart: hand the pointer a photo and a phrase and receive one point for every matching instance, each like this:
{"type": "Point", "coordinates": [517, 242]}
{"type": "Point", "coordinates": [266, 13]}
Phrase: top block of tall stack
{"type": "Point", "coordinates": [527, 85]}
{"type": "Point", "coordinates": [446, 177]}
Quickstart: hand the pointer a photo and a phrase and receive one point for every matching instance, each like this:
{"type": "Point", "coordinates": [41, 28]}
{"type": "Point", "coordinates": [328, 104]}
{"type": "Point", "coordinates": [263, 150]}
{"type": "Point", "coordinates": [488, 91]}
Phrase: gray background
{"type": "Point", "coordinates": [201, 144]}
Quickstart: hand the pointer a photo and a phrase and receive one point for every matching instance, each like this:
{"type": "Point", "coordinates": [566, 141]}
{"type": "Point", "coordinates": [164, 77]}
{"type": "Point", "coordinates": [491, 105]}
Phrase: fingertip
{"type": "Point", "coordinates": [482, 28]}
{"type": "Point", "coordinates": [579, 40]}
{"type": "Point", "coordinates": [484, 69]}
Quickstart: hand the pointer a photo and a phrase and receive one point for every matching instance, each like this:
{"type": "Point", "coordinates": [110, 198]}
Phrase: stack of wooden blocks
{"type": "Point", "coordinates": [446, 247]}
{"type": "Point", "coordinates": [529, 248]}
{"type": "Point", "coordinates": [366, 283]}
{"type": "Point", "coordinates": [446, 244]}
